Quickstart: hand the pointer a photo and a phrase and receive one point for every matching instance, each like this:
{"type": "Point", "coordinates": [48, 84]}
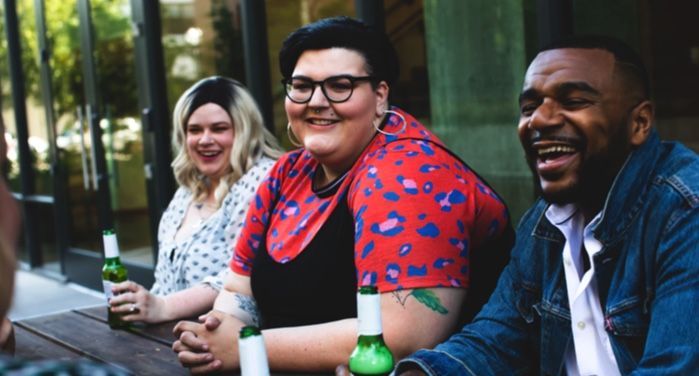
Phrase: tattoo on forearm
{"type": "Point", "coordinates": [249, 306]}
{"type": "Point", "coordinates": [424, 296]}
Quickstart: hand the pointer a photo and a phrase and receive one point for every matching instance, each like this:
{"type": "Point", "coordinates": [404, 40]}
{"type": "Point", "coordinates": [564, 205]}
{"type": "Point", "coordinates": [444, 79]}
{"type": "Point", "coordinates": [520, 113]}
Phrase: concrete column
{"type": "Point", "coordinates": [476, 63]}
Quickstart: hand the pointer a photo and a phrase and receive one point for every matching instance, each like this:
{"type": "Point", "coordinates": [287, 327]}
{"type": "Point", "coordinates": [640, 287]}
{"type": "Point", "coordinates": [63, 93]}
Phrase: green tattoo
{"type": "Point", "coordinates": [426, 297]}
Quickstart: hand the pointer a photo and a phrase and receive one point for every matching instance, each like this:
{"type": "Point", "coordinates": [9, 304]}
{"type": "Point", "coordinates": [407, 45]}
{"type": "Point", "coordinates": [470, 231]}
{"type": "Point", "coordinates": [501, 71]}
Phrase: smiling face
{"type": "Point", "coordinates": [336, 133]}
{"type": "Point", "coordinates": [209, 140]}
{"type": "Point", "coordinates": [575, 123]}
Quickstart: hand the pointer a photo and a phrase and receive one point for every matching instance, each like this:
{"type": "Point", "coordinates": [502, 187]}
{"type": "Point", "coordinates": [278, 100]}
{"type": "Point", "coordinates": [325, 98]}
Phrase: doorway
{"type": "Point", "coordinates": [86, 140]}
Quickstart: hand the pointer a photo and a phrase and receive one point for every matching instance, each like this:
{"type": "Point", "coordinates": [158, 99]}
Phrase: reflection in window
{"type": "Point", "coordinates": [10, 169]}
{"type": "Point", "coordinates": [200, 38]}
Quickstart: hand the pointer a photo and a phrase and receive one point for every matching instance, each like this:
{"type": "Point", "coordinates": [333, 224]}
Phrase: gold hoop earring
{"type": "Point", "coordinates": [289, 134]}
{"type": "Point", "coordinates": [402, 129]}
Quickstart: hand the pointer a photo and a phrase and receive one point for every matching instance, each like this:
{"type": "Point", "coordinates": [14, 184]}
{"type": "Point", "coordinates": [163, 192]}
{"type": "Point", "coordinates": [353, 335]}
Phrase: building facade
{"type": "Point", "coordinates": [88, 86]}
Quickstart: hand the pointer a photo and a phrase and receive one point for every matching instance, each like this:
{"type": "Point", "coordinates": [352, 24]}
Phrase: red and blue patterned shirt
{"type": "Point", "coordinates": [418, 211]}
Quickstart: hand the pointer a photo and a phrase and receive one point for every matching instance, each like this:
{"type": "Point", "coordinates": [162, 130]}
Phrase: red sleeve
{"type": "Point", "coordinates": [257, 217]}
{"type": "Point", "coordinates": [415, 208]}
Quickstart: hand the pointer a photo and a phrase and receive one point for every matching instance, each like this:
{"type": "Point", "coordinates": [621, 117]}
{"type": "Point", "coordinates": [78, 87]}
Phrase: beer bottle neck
{"type": "Point", "coordinates": [111, 247]}
{"type": "Point", "coordinates": [369, 314]}
{"type": "Point", "coordinates": [365, 340]}
{"type": "Point", "coordinates": [112, 260]}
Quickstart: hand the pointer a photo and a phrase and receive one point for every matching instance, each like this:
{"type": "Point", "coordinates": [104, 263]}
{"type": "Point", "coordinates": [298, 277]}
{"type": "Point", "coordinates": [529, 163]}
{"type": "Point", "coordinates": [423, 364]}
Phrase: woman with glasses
{"type": "Point", "coordinates": [370, 197]}
{"type": "Point", "coordinates": [223, 152]}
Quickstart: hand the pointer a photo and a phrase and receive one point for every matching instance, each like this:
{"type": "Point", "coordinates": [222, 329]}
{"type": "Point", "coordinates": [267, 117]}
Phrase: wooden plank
{"type": "Point", "coordinates": [161, 333]}
{"type": "Point", "coordinates": [98, 313]}
{"type": "Point", "coordinates": [31, 346]}
{"type": "Point", "coordinates": [158, 332]}
{"type": "Point", "coordinates": [140, 355]}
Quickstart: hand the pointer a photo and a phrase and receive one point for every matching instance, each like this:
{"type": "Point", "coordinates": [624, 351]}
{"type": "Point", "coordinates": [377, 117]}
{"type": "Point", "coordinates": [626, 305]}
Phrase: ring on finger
{"type": "Point", "coordinates": [133, 308]}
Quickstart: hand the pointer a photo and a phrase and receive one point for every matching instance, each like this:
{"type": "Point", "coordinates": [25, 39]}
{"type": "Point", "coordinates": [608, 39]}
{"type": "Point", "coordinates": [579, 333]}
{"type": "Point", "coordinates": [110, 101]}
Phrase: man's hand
{"type": "Point", "coordinates": [209, 346]}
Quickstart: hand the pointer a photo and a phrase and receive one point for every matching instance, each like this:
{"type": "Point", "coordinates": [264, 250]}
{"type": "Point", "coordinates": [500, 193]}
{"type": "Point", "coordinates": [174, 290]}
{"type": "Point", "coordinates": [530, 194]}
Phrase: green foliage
{"type": "Point", "coordinates": [228, 43]}
{"type": "Point", "coordinates": [113, 54]}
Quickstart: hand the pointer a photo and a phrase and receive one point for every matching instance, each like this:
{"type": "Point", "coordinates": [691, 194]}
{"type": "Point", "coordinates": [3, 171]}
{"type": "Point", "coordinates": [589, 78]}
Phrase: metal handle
{"type": "Point", "coordinates": [83, 153]}
{"type": "Point", "coordinates": [93, 152]}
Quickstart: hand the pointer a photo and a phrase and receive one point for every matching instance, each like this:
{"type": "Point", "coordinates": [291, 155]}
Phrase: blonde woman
{"type": "Point", "coordinates": [223, 152]}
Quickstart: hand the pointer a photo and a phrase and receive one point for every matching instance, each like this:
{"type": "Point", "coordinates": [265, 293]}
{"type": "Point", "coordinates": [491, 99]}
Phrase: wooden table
{"type": "Point", "coordinates": [84, 333]}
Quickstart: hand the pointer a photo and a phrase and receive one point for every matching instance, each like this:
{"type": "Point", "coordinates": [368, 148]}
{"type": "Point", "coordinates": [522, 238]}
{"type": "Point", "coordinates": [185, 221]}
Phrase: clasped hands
{"type": "Point", "coordinates": [209, 345]}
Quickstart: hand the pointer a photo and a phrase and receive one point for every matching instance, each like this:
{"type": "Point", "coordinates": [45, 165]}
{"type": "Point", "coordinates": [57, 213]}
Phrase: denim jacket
{"type": "Point", "coordinates": [647, 274]}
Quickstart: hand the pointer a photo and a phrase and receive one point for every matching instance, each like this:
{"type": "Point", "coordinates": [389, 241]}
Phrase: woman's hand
{"type": "Point", "coordinates": [209, 346]}
{"type": "Point", "coordinates": [7, 337]}
{"type": "Point", "coordinates": [138, 304]}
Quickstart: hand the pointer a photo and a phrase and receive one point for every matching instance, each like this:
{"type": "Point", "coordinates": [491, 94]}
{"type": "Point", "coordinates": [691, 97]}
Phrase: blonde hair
{"type": "Point", "coordinates": [251, 139]}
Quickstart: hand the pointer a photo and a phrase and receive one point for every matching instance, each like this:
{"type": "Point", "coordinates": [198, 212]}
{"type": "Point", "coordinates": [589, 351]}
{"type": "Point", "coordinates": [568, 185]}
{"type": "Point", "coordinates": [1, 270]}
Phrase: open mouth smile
{"type": "Point", "coordinates": [554, 157]}
{"type": "Point", "coordinates": [208, 155]}
{"type": "Point", "coordinates": [321, 122]}
{"type": "Point", "coordinates": [555, 151]}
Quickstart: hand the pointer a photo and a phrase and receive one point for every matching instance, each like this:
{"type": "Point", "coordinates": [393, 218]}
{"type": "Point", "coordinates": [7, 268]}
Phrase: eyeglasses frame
{"type": "Point", "coordinates": [353, 80]}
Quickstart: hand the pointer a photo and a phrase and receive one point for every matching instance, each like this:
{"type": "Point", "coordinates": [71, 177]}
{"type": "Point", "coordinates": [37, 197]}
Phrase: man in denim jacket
{"type": "Point", "coordinates": [604, 276]}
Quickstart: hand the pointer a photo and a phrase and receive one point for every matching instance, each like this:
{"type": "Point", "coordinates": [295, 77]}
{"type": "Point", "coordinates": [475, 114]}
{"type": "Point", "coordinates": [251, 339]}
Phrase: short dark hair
{"type": "Point", "coordinates": [627, 59]}
{"type": "Point", "coordinates": [345, 32]}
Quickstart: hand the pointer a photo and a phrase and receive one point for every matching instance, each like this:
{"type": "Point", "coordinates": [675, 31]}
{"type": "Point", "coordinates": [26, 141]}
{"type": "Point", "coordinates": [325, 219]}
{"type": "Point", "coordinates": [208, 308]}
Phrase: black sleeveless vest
{"type": "Point", "coordinates": [317, 286]}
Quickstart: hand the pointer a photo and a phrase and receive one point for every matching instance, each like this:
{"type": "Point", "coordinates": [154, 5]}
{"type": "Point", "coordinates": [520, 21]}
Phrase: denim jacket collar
{"type": "Point", "coordinates": [626, 196]}
{"type": "Point", "coordinates": [624, 200]}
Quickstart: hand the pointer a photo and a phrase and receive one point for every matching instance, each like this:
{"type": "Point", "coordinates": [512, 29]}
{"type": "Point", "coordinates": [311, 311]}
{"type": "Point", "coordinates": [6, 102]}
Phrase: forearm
{"type": "Point", "coordinates": [240, 306]}
{"type": "Point", "coordinates": [312, 348]}
{"type": "Point", "coordinates": [189, 302]}
{"type": "Point", "coordinates": [408, 325]}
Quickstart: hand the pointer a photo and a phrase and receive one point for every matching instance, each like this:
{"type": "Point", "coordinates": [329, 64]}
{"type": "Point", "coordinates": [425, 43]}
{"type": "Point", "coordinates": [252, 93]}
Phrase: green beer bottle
{"type": "Point", "coordinates": [371, 356]}
{"type": "Point", "coordinates": [251, 349]}
{"type": "Point", "coordinates": [112, 272]}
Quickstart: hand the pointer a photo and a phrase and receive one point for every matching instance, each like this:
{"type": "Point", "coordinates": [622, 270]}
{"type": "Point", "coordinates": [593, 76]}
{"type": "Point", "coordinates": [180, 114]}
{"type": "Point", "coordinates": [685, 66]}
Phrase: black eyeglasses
{"type": "Point", "coordinates": [337, 89]}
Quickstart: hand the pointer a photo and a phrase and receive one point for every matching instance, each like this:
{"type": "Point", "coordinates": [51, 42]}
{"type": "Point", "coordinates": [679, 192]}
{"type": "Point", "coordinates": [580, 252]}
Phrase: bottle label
{"type": "Point", "coordinates": [369, 314]}
{"type": "Point", "coordinates": [107, 286]}
{"type": "Point", "coordinates": [111, 247]}
{"type": "Point", "coordinates": [253, 356]}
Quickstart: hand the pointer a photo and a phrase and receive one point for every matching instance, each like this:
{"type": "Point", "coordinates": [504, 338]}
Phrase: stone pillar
{"type": "Point", "coordinates": [476, 63]}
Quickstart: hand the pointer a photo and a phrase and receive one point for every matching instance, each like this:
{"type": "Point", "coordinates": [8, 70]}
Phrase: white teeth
{"type": "Point", "coordinates": [556, 149]}
{"type": "Point", "coordinates": [208, 153]}
{"type": "Point", "coordinates": [320, 122]}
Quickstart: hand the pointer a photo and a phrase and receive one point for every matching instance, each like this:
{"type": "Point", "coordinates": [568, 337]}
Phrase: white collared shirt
{"type": "Point", "coordinates": [592, 351]}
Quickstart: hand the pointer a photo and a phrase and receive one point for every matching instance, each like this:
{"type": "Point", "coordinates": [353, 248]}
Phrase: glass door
{"type": "Point", "coordinates": [116, 117]}
{"type": "Point", "coordinates": [100, 180]}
